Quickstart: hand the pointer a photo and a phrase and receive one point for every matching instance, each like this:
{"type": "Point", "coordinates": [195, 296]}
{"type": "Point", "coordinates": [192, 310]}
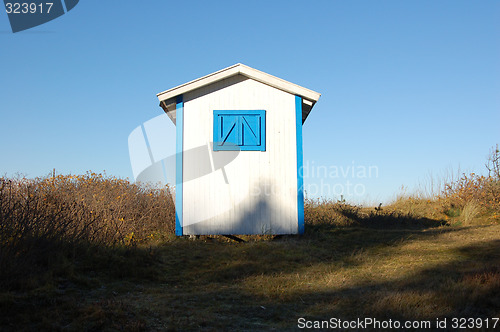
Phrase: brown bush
{"type": "Point", "coordinates": [42, 217]}
{"type": "Point", "coordinates": [485, 190]}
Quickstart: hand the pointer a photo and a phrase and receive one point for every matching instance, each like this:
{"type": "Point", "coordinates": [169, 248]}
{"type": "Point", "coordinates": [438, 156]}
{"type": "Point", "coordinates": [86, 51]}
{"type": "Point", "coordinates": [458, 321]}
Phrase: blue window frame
{"type": "Point", "coordinates": [240, 130]}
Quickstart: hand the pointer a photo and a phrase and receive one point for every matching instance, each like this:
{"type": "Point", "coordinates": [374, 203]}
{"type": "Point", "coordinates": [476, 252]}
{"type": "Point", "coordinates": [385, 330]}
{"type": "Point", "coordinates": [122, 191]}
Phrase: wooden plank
{"type": "Point", "coordinates": [239, 207]}
{"type": "Point", "coordinates": [241, 69]}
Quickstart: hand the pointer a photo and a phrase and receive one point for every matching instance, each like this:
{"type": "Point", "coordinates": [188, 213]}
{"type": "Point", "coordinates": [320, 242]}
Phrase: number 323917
{"type": "Point", "coordinates": [26, 7]}
{"type": "Point", "coordinates": [474, 323]}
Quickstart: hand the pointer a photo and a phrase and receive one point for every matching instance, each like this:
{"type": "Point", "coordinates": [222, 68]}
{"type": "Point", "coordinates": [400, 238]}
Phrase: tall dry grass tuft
{"type": "Point", "coordinates": [44, 217]}
{"type": "Point", "coordinates": [469, 212]}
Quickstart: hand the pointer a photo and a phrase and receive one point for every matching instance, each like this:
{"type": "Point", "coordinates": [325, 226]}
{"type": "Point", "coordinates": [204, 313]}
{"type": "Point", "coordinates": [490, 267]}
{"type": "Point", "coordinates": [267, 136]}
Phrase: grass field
{"type": "Point", "coordinates": [123, 270]}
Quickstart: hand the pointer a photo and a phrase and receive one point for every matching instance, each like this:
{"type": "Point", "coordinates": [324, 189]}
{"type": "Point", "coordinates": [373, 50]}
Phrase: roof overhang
{"type": "Point", "coordinates": [167, 98]}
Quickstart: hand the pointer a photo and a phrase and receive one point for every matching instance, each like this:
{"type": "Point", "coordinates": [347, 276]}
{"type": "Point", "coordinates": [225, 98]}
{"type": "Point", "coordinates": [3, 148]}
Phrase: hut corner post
{"type": "Point", "coordinates": [300, 161]}
{"type": "Point", "coordinates": [179, 156]}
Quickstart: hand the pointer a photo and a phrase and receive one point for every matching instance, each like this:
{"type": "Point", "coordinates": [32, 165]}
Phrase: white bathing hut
{"type": "Point", "coordinates": [239, 152]}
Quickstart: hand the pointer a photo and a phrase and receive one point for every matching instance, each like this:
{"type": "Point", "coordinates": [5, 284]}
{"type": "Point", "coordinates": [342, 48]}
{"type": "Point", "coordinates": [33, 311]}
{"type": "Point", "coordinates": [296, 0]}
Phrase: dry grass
{"type": "Point", "coordinates": [469, 212]}
{"type": "Point", "coordinates": [45, 221]}
{"type": "Point", "coordinates": [77, 254]}
{"type": "Point", "coordinates": [345, 272]}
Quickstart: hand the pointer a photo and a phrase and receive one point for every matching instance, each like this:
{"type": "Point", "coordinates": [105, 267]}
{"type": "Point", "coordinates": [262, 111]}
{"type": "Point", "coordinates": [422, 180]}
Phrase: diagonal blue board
{"type": "Point", "coordinates": [250, 129]}
{"type": "Point", "coordinates": [228, 129]}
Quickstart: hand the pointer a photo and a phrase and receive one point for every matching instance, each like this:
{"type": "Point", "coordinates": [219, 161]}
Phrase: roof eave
{"type": "Point", "coordinates": [245, 71]}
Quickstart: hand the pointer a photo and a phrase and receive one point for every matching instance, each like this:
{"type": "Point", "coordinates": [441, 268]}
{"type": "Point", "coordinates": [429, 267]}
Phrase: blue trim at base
{"type": "Point", "coordinates": [179, 129]}
{"type": "Point", "coordinates": [300, 162]}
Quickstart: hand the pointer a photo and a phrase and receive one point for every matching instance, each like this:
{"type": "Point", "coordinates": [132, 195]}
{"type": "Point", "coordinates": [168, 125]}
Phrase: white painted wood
{"type": "Point", "coordinates": [279, 83]}
{"type": "Point", "coordinates": [199, 82]}
{"type": "Point", "coordinates": [261, 196]}
{"type": "Point", "coordinates": [169, 108]}
{"type": "Point", "coordinates": [307, 102]}
{"type": "Point", "coordinates": [240, 69]}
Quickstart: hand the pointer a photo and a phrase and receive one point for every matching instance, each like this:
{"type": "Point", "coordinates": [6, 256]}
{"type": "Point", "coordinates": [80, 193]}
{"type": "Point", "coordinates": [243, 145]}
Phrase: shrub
{"type": "Point", "coordinates": [485, 191]}
{"type": "Point", "coordinates": [493, 163]}
{"type": "Point", "coordinates": [43, 218]}
{"type": "Point", "coordinates": [473, 194]}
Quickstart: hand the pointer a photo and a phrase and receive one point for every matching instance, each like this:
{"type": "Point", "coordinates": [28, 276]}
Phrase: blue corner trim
{"type": "Point", "coordinates": [300, 161]}
{"type": "Point", "coordinates": [179, 132]}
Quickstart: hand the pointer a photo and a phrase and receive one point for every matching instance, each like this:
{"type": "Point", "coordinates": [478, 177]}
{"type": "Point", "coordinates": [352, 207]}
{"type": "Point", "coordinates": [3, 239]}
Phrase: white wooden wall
{"type": "Point", "coordinates": [261, 196]}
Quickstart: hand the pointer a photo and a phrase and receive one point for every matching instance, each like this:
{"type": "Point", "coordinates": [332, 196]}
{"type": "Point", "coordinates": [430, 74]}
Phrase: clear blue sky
{"type": "Point", "coordinates": [411, 87]}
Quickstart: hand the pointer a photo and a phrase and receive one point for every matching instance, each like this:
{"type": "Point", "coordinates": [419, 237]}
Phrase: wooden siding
{"type": "Point", "coordinates": [261, 193]}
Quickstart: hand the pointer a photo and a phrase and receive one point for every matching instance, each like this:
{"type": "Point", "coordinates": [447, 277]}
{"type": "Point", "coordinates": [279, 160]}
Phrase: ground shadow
{"type": "Point", "coordinates": [199, 285]}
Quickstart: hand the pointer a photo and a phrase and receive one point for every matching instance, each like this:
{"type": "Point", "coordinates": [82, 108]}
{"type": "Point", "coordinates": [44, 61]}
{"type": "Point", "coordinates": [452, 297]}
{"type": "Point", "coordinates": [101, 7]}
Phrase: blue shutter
{"type": "Point", "coordinates": [240, 130]}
